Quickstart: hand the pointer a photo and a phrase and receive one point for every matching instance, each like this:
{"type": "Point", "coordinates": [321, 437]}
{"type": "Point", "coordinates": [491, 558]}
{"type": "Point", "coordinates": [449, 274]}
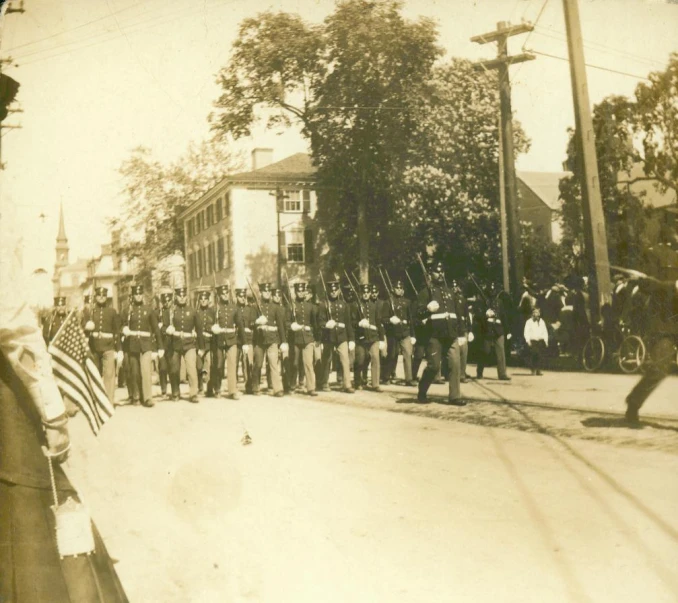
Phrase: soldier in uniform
{"type": "Point", "coordinates": [103, 328]}
{"type": "Point", "coordinates": [400, 338]}
{"type": "Point", "coordinates": [143, 338]}
{"type": "Point", "coordinates": [370, 339]}
{"type": "Point", "coordinates": [269, 338]}
{"type": "Point", "coordinates": [246, 316]}
{"type": "Point", "coordinates": [204, 353]}
{"type": "Point", "coordinates": [303, 321]}
{"type": "Point", "coordinates": [465, 334]}
{"type": "Point", "coordinates": [165, 319]}
{"type": "Point", "coordinates": [336, 327]}
{"type": "Point", "coordinates": [55, 319]}
{"type": "Point", "coordinates": [185, 331]}
{"type": "Point", "coordinates": [439, 305]}
{"type": "Point", "coordinates": [277, 298]}
{"type": "Point", "coordinates": [228, 330]}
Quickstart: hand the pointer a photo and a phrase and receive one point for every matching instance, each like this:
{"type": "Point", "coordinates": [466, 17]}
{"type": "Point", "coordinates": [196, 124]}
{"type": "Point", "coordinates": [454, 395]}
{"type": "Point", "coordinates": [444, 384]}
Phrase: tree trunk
{"type": "Point", "coordinates": [363, 240]}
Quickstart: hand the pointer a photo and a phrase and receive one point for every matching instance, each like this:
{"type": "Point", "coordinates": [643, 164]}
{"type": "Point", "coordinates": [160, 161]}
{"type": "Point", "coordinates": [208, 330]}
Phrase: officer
{"type": "Point", "coordinates": [336, 333]}
{"type": "Point", "coordinates": [270, 338]}
{"type": "Point", "coordinates": [204, 353]}
{"type": "Point", "coordinates": [246, 316]}
{"type": "Point", "coordinates": [493, 328]}
{"type": "Point", "coordinates": [186, 333]}
{"type": "Point", "coordinates": [228, 330]}
{"type": "Point", "coordinates": [143, 339]}
{"type": "Point", "coordinates": [370, 339]}
{"type": "Point", "coordinates": [56, 318]}
{"type": "Point", "coordinates": [438, 304]}
{"type": "Point", "coordinates": [399, 328]}
{"type": "Point", "coordinates": [103, 328]}
{"type": "Point", "coordinates": [165, 320]}
{"type": "Point", "coordinates": [303, 321]}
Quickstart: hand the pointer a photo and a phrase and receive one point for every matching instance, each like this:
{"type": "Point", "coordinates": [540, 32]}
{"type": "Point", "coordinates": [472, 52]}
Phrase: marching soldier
{"type": "Point", "coordinates": [186, 333]}
{"type": "Point", "coordinates": [439, 306]}
{"type": "Point", "coordinates": [370, 339]}
{"type": "Point", "coordinates": [269, 340]}
{"type": "Point", "coordinates": [492, 327]}
{"type": "Point", "coordinates": [165, 320]}
{"type": "Point", "coordinates": [336, 327]}
{"type": "Point", "coordinates": [399, 327]}
{"type": "Point", "coordinates": [303, 324]}
{"type": "Point", "coordinates": [352, 303]}
{"type": "Point", "coordinates": [204, 352]}
{"type": "Point", "coordinates": [228, 329]}
{"type": "Point", "coordinates": [247, 316]}
{"type": "Point", "coordinates": [277, 299]}
{"type": "Point", "coordinates": [56, 319]}
{"type": "Point", "coordinates": [143, 338]}
{"type": "Point", "coordinates": [103, 328]}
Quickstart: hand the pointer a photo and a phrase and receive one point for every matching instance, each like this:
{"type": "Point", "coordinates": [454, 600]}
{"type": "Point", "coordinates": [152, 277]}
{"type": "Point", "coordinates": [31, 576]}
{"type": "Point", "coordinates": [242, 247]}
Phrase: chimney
{"type": "Point", "coordinates": [261, 158]}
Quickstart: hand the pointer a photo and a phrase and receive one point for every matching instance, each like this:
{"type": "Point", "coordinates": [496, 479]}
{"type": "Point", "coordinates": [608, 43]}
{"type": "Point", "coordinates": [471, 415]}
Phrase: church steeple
{"type": "Point", "coordinates": [61, 243]}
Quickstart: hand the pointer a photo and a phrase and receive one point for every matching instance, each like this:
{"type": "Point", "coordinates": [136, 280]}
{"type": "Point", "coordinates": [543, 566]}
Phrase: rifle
{"type": "Point", "coordinates": [388, 292]}
{"type": "Point", "coordinates": [256, 299]}
{"type": "Point", "coordinates": [411, 283]}
{"type": "Point", "coordinates": [355, 293]}
{"type": "Point", "coordinates": [291, 300]}
{"type": "Point", "coordinates": [327, 297]}
{"type": "Point", "coordinates": [473, 280]}
{"type": "Point", "coordinates": [388, 278]}
{"type": "Point", "coordinates": [427, 278]}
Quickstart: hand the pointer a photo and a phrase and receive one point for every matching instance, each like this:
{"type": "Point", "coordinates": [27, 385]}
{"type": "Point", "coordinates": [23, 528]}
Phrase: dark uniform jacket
{"type": "Point", "coordinates": [229, 318]}
{"type": "Point", "coordinates": [187, 329]}
{"type": "Point", "coordinates": [207, 319]}
{"type": "Point", "coordinates": [51, 325]}
{"type": "Point", "coordinates": [464, 317]}
{"type": "Point", "coordinates": [165, 318]}
{"type": "Point", "coordinates": [372, 312]}
{"type": "Point", "coordinates": [340, 312]}
{"type": "Point", "coordinates": [274, 331]}
{"type": "Point", "coordinates": [305, 314]}
{"type": "Point", "coordinates": [444, 322]}
{"type": "Point", "coordinates": [145, 335]}
{"type": "Point", "coordinates": [246, 315]}
{"type": "Point", "coordinates": [106, 334]}
{"type": "Point", "coordinates": [402, 308]}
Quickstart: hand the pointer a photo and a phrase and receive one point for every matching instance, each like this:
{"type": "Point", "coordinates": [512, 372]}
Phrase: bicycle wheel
{"type": "Point", "coordinates": [593, 353]}
{"type": "Point", "coordinates": [632, 354]}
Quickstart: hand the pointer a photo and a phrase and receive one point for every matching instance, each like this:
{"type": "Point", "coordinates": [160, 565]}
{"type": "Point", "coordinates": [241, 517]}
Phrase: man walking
{"type": "Point", "coordinates": [337, 333]}
{"type": "Point", "coordinates": [269, 339]}
{"type": "Point", "coordinates": [303, 325]}
{"type": "Point", "coordinates": [370, 340]}
{"type": "Point", "coordinates": [536, 337]}
{"type": "Point", "coordinates": [399, 327]}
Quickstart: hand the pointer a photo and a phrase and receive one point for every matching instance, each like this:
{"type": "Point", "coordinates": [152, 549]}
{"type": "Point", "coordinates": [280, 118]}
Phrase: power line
{"type": "Point", "coordinates": [553, 56]}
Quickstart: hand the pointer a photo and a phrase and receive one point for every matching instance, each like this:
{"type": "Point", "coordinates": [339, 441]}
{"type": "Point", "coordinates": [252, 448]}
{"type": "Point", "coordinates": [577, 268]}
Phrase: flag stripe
{"type": "Point", "coordinates": [100, 391]}
{"type": "Point", "coordinates": [63, 371]}
{"type": "Point", "coordinates": [79, 398]}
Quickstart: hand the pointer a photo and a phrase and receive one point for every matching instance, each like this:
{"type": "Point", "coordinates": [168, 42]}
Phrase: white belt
{"type": "Point", "coordinates": [248, 330]}
{"type": "Point", "coordinates": [307, 328]}
{"type": "Point", "coordinates": [102, 335]}
{"type": "Point", "coordinates": [229, 330]}
{"type": "Point", "coordinates": [443, 315]}
{"type": "Point", "coordinates": [372, 327]}
{"type": "Point", "coordinates": [268, 328]}
{"type": "Point", "coordinates": [182, 334]}
{"type": "Point", "coordinates": [339, 325]}
{"type": "Point", "coordinates": [490, 320]}
{"type": "Point", "coordinates": [140, 333]}
{"type": "Point", "coordinates": [206, 334]}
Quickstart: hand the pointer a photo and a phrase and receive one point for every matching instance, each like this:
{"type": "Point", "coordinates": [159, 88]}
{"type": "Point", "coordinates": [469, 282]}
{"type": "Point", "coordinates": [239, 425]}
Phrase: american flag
{"type": "Point", "coordinates": [76, 374]}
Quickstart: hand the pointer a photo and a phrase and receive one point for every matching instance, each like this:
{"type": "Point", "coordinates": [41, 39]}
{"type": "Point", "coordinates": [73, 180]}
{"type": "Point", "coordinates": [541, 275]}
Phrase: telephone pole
{"type": "Point", "coordinates": [502, 215]}
{"type": "Point", "coordinates": [595, 236]}
{"type": "Point", "coordinates": [501, 63]}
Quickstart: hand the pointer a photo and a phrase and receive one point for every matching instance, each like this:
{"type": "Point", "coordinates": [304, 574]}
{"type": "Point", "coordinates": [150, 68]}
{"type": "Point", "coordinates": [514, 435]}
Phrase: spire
{"type": "Point", "coordinates": [61, 244]}
{"type": "Point", "coordinates": [61, 237]}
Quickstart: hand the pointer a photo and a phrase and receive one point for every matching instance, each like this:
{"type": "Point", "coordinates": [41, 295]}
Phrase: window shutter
{"type": "Point", "coordinates": [307, 201]}
{"type": "Point", "coordinates": [283, 247]}
{"type": "Point", "coordinates": [309, 245]}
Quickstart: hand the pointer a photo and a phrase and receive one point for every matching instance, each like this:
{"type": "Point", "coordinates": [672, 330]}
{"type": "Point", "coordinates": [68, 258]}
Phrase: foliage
{"type": "Point", "coordinates": [546, 262]}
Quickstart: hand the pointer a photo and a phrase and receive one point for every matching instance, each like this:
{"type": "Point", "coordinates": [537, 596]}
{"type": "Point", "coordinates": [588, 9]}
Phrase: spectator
{"type": "Point", "coordinates": [537, 339]}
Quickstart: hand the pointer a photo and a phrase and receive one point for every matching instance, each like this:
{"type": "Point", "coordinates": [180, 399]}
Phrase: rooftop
{"type": "Point", "coordinates": [546, 185]}
{"type": "Point", "coordinates": [293, 168]}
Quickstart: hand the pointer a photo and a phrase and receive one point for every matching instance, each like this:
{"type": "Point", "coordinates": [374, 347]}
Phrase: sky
{"type": "Point", "coordinates": [101, 77]}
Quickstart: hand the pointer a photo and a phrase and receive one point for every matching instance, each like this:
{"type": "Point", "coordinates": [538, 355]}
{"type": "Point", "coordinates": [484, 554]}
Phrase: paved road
{"type": "Point", "coordinates": [338, 499]}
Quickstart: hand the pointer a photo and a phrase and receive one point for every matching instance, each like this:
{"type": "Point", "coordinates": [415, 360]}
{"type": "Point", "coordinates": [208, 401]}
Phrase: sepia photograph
{"type": "Point", "coordinates": [338, 301]}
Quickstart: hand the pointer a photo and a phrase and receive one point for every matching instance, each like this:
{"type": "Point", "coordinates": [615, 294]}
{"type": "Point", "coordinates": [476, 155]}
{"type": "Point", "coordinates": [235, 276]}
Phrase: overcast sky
{"type": "Point", "coordinates": [100, 77]}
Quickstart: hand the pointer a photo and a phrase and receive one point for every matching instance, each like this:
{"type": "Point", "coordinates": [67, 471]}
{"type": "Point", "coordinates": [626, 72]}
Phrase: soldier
{"type": "Point", "coordinates": [103, 328]}
{"type": "Point", "coordinates": [55, 320]}
{"type": "Point", "coordinates": [269, 340]}
{"type": "Point", "coordinates": [228, 328]}
{"type": "Point", "coordinates": [186, 333]}
{"type": "Point", "coordinates": [336, 328]}
{"type": "Point", "coordinates": [400, 338]}
{"type": "Point", "coordinates": [491, 329]}
{"type": "Point", "coordinates": [246, 316]}
{"type": "Point", "coordinates": [303, 325]}
{"type": "Point", "coordinates": [439, 306]}
{"type": "Point", "coordinates": [278, 298]}
{"type": "Point", "coordinates": [204, 353]}
{"type": "Point", "coordinates": [165, 319]}
{"type": "Point", "coordinates": [140, 325]}
{"type": "Point", "coordinates": [465, 334]}
{"type": "Point", "coordinates": [370, 339]}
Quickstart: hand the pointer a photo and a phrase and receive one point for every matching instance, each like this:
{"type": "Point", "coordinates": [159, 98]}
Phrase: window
{"type": "Point", "coordinates": [220, 253]}
{"type": "Point", "coordinates": [220, 213]}
{"type": "Point", "coordinates": [292, 201]}
{"type": "Point", "coordinates": [197, 223]}
{"type": "Point", "coordinates": [210, 216]}
{"type": "Point", "coordinates": [306, 195]}
{"type": "Point", "coordinates": [189, 226]}
{"type": "Point", "coordinates": [294, 241]}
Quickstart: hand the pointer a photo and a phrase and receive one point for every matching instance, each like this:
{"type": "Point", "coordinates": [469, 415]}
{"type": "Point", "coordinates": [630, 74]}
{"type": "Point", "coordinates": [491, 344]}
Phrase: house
{"type": "Point", "coordinates": [256, 225]}
{"type": "Point", "coordinates": [539, 202]}
{"type": "Point", "coordinates": [105, 271]}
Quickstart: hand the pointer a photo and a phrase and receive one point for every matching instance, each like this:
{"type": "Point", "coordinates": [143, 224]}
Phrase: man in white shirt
{"type": "Point", "coordinates": [537, 338]}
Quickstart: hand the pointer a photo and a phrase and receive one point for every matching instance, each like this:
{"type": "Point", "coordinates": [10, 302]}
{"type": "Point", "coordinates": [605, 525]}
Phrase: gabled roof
{"type": "Point", "coordinates": [545, 185]}
{"type": "Point", "coordinates": [295, 168]}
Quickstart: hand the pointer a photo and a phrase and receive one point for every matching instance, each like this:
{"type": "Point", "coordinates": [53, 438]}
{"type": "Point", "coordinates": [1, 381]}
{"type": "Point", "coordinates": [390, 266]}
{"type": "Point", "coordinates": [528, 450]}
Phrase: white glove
{"type": "Point", "coordinates": [170, 330]}
{"type": "Point", "coordinates": [330, 324]}
{"type": "Point", "coordinates": [382, 346]}
{"type": "Point", "coordinates": [119, 356]}
{"type": "Point", "coordinates": [161, 353]}
{"type": "Point", "coordinates": [509, 336]}
{"type": "Point", "coordinates": [394, 320]}
{"type": "Point", "coordinates": [462, 340]}
{"type": "Point", "coordinates": [160, 325]}
{"type": "Point", "coordinates": [216, 329]}
{"type": "Point", "coordinates": [89, 326]}
{"type": "Point", "coordinates": [471, 337]}
{"type": "Point", "coordinates": [351, 346]}
{"type": "Point", "coordinates": [126, 331]}
{"type": "Point", "coordinates": [413, 340]}
{"type": "Point", "coordinates": [364, 323]}
{"type": "Point", "coordinates": [262, 320]}
{"type": "Point", "coordinates": [433, 306]}
{"type": "Point", "coordinates": [295, 326]}
{"type": "Point", "coordinates": [284, 348]}
{"type": "Point", "coordinates": [245, 349]}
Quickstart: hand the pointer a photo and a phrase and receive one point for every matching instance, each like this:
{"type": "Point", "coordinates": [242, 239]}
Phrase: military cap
{"type": "Point", "coordinates": [265, 287]}
{"type": "Point", "coordinates": [60, 300]}
{"type": "Point", "coordinates": [204, 294]}
{"type": "Point", "coordinates": [276, 291]}
{"type": "Point", "coordinates": [398, 284]}
{"type": "Point", "coordinates": [241, 292]}
{"type": "Point", "coordinates": [375, 288]}
{"type": "Point", "coordinates": [437, 266]}
{"type": "Point", "coordinates": [333, 286]}
{"type": "Point", "coordinates": [101, 291]}
{"type": "Point", "coordinates": [221, 289]}
{"type": "Point", "coordinates": [137, 289]}
{"type": "Point", "coordinates": [165, 296]}
{"type": "Point", "coordinates": [180, 291]}
{"type": "Point", "coordinates": [365, 288]}
{"type": "Point", "coordinates": [300, 286]}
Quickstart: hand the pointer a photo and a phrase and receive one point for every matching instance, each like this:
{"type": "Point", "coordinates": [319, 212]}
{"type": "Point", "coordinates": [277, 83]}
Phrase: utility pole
{"type": "Point", "coordinates": [501, 63]}
{"type": "Point", "coordinates": [8, 86]}
{"type": "Point", "coordinates": [595, 237]}
{"type": "Point", "coordinates": [502, 216]}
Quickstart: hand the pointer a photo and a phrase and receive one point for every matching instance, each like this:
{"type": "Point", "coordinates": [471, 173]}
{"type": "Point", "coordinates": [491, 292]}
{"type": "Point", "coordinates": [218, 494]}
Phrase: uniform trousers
{"type": "Point", "coordinates": [463, 356]}
{"type": "Point", "coordinates": [246, 360]}
{"type": "Point", "coordinates": [436, 350]}
{"type": "Point", "coordinates": [189, 357]}
{"type": "Point", "coordinates": [301, 358]}
{"type": "Point", "coordinates": [203, 363]}
{"type": "Point", "coordinates": [163, 374]}
{"type": "Point", "coordinates": [105, 362]}
{"type": "Point", "coordinates": [364, 354]}
{"type": "Point", "coordinates": [418, 355]}
{"type": "Point", "coordinates": [272, 354]}
{"type": "Point", "coordinates": [395, 347]}
{"type": "Point", "coordinates": [227, 357]}
{"type": "Point", "coordinates": [489, 347]}
{"type": "Point", "coordinates": [662, 355]}
{"type": "Point", "coordinates": [140, 371]}
{"type": "Point", "coordinates": [342, 353]}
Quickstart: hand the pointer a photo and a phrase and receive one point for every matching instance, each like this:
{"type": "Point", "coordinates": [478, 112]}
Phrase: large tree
{"type": "Point", "coordinates": [351, 83]}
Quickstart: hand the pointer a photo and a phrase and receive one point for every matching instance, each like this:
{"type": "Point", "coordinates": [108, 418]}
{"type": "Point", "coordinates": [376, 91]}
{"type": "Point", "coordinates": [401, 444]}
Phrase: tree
{"type": "Point", "coordinates": [352, 84]}
{"type": "Point", "coordinates": [156, 193]}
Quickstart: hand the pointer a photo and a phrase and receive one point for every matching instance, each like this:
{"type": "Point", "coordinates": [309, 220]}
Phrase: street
{"type": "Point", "coordinates": [338, 499]}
